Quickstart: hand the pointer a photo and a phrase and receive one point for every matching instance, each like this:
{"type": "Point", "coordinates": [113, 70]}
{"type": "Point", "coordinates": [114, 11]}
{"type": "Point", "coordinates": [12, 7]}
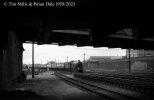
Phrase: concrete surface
{"type": "Point", "coordinates": [53, 88]}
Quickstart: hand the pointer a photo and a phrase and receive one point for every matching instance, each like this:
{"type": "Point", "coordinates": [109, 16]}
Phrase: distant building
{"type": "Point", "coordinates": [139, 53]}
{"type": "Point", "coordinates": [134, 53]}
{"type": "Point", "coordinates": [100, 58]}
{"type": "Point", "coordinates": [149, 52]}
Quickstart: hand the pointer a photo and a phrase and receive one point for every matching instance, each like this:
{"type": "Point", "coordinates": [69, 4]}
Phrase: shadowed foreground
{"type": "Point", "coordinates": [20, 95]}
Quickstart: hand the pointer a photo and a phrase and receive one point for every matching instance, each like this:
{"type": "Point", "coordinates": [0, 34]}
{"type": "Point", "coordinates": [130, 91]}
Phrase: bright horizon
{"type": "Point", "coordinates": [45, 53]}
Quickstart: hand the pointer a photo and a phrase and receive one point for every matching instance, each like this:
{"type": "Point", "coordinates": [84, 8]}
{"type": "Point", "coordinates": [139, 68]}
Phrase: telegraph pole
{"type": "Point", "coordinates": [47, 66]}
{"type": "Point", "coordinates": [84, 59]}
{"type": "Point", "coordinates": [129, 60]}
{"type": "Point", "coordinates": [66, 62]}
{"type": "Point", "coordinates": [67, 59]}
{"type": "Point", "coordinates": [32, 59]}
{"type": "Point", "coordinates": [55, 65]}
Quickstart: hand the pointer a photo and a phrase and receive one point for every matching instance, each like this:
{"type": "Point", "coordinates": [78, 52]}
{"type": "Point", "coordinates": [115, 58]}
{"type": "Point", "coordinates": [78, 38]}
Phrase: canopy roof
{"type": "Point", "coordinates": [88, 23]}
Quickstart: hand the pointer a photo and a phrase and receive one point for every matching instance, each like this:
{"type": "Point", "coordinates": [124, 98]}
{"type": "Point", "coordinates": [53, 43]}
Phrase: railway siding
{"type": "Point", "coordinates": [128, 81]}
{"type": "Point", "coordinates": [115, 92]}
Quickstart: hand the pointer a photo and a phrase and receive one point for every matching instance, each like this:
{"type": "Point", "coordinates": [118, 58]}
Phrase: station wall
{"type": "Point", "coordinates": [137, 64]}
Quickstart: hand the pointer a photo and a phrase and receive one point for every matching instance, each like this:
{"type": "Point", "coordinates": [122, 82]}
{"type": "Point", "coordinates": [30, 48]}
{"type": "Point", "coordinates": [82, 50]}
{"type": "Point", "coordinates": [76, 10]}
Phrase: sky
{"type": "Point", "coordinates": [45, 53]}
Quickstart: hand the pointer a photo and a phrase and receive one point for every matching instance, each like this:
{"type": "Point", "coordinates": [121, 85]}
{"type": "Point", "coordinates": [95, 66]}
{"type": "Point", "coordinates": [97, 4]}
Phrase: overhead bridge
{"type": "Point", "coordinates": [87, 23]}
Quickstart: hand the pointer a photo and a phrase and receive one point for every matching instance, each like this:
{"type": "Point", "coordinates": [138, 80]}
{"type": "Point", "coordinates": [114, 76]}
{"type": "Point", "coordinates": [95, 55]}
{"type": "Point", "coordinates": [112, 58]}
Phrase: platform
{"type": "Point", "coordinates": [52, 88]}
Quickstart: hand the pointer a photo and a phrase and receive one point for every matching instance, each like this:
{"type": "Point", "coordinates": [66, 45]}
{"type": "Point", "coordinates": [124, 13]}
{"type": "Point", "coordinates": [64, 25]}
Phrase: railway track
{"type": "Point", "coordinates": [131, 82]}
{"type": "Point", "coordinates": [112, 95]}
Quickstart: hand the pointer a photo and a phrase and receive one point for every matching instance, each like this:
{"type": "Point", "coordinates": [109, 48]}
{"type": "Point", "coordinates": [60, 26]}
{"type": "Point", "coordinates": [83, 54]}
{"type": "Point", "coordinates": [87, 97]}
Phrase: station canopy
{"type": "Point", "coordinates": [85, 23]}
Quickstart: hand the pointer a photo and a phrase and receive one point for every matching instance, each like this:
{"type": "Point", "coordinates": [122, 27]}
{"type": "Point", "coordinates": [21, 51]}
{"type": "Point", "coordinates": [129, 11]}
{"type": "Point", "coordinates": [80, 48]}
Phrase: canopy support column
{"type": "Point", "coordinates": [32, 59]}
